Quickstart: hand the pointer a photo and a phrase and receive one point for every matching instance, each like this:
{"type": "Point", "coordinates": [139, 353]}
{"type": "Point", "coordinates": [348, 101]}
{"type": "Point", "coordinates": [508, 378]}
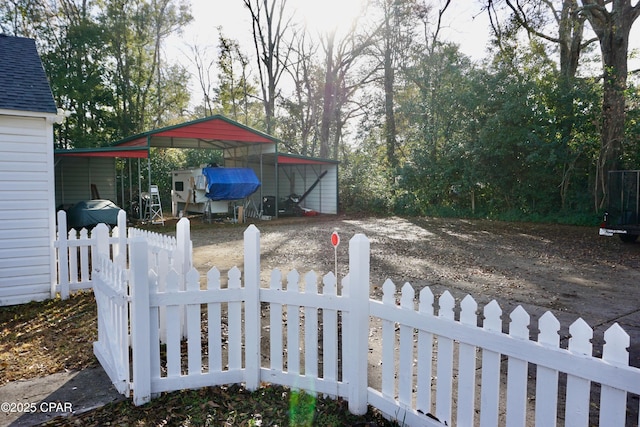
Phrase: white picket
{"type": "Point", "coordinates": [252, 307]}
{"type": "Point", "coordinates": [405, 357]}
{"type": "Point", "coordinates": [425, 354]}
{"type": "Point", "coordinates": [155, 364]}
{"type": "Point", "coordinates": [73, 257]}
{"type": "Point", "coordinates": [173, 324]}
{"type": "Point", "coordinates": [275, 325]}
{"type": "Point", "coordinates": [214, 323]}
{"type": "Point", "coordinates": [613, 401]}
{"type": "Point", "coordinates": [546, 405]}
{"type": "Point", "coordinates": [234, 320]}
{"type": "Point", "coordinates": [490, 391]}
{"type": "Point", "coordinates": [359, 310]}
{"type": "Point", "coordinates": [140, 322]}
{"type": "Point", "coordinates": [467, 367]}
{"type": "Point", "coordinates": [311, 333]}
{"type": "Point", "coordinates": [194, 335]}
{"type": "Point", "coordinates": [329, 335]}
{"type": "Point", "coordinates": [578, 388]}
{"type": "Point", "coordinates": [62, 258]}
{"type": "Point", "coordinates": [293, 325]}
{"type": "Point", "coordinates": [84, 257]}
{"type": "Point", "coordinates": [388, 343]}
{"type": "Point", "coordinates": [444, 366]}
{"type": "Point", "coordinates": [517, 371]}
{"type": "Point", "coordinates": [162, 266]}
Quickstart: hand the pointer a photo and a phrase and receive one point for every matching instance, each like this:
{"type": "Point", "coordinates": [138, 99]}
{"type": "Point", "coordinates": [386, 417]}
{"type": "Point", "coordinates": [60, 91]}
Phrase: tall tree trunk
{"type": "Point", "coordinates": [570, 36]}
{"type": "Point", "coordinates": [612, 29]}
{"type": "Point", "coordinates": [269, 26]}
{"type": "Point", "coordinates": [389, 112]}
{"type": "Point", "coordinates": [328, 105]}
{"type": "Point", "coordinates": [392, 47]}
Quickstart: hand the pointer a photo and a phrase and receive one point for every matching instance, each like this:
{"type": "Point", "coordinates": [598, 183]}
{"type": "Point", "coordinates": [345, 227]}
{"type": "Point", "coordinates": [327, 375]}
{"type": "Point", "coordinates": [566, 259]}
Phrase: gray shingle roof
{"type": "Point", "coordinates": [23, 82]}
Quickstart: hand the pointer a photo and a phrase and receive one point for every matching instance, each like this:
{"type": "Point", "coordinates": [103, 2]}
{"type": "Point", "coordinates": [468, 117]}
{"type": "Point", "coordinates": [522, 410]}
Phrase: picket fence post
{"type": "Point", "coordinates": [183, 262]}
{"type": "Point", "coordinates": [140, 320]}
{"type": "Point", "coordinates": [120, 251]}
{"type": "Point", "coordinates": [252, 307]}
{"type": "Point", "coordinates": [183, 241]}
{"type": "Point", "coordinates": [100, 236]}
{"type": "Point", "coordinates": [63, 258]}
{"type": "Point", "coordinates": [358, 325]}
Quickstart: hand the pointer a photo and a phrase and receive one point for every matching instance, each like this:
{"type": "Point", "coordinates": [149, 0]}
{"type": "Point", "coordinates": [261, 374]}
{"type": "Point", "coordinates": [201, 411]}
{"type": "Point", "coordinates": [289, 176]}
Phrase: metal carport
{"type": "Point", "coordinates": [242, 146]}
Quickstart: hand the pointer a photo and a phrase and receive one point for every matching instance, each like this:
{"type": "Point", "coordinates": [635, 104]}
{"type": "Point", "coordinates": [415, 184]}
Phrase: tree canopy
{"type": "Point", "coordinates": [529, 132]}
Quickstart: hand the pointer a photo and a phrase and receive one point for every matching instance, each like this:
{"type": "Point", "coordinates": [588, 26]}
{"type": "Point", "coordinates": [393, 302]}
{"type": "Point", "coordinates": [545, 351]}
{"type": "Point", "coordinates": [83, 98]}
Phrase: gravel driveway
{"type": "Point", "coordinates": [568, 270]}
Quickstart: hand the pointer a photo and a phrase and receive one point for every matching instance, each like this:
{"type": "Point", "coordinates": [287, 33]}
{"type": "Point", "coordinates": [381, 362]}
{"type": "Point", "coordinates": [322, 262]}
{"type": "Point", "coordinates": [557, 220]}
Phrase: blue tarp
{"type": "Point", "coordinates": [230, 183]}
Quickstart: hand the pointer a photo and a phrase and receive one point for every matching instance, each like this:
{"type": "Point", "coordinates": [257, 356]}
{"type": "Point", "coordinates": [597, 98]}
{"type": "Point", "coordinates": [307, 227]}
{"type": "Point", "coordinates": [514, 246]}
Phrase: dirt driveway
{"type": "Point", "coordinates": [570, 271]}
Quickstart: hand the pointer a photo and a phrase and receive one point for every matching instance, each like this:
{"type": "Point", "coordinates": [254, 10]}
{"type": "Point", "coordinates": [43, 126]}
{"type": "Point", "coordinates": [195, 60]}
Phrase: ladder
{"type": "Point", "coordinates": [155, 207]}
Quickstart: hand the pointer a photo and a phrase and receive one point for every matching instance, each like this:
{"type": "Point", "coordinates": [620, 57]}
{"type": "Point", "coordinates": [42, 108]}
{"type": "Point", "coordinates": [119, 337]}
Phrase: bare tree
{"type": "Point", "coordinates": [304, 106]}
{"type": "Point", "coordinates": [396, 39]}
{"type": "Point", "coordinates": [342, 79]}
{"type": "Point", "coordinates": [204, 66]}
{"type": "Point", "coordinates": [269, 26]}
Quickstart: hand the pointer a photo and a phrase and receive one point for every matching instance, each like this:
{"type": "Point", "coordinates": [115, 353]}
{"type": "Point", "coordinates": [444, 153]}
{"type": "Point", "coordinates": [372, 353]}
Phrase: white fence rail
{"type": "Point", "coordinates": [433, 365]}
{"type": "Point", "coordinates": [75, 251]}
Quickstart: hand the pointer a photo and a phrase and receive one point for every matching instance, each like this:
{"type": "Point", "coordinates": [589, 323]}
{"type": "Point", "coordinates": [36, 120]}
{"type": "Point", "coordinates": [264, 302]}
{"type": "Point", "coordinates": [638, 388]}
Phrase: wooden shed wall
{"type": "Point", "coordinates": [27, 214]}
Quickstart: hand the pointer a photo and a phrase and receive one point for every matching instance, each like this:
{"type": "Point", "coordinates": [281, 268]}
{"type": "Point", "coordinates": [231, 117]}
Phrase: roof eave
{"type": "Point", "coordinates": [53, 117]}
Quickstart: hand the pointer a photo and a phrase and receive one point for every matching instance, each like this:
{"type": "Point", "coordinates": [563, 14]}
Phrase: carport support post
{"type": "Point", "coordinates": [140, 321]}
{"type": "Point", "coordinates": [358, 327]}
{"type": "Point", "coordinates": [252, 307]}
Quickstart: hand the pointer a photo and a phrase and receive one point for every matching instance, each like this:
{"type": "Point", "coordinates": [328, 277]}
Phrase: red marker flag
{"type": "Point", "coordinates": [335, 239]}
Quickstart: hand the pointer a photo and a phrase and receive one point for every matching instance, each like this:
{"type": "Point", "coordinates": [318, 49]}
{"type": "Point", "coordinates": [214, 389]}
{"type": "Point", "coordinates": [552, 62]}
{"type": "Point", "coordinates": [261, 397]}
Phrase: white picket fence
{"type": "Point", "coordinates": [77, 250]}
{"type": "Point", "coordinates": [187, 334]}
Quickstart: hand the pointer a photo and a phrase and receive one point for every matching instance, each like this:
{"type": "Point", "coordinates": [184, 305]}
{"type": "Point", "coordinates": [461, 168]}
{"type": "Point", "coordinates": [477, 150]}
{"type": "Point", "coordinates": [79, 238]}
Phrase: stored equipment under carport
{"type": "Point", "coordinates": [291, 205]}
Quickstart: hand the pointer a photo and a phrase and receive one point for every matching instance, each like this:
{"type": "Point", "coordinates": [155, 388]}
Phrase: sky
{"type": "Point", "coordinates": [464, 23]}
{"type": "Point", "coordinates": [235, 20]}
{"type": "Point", "coordinates": [460, 24]}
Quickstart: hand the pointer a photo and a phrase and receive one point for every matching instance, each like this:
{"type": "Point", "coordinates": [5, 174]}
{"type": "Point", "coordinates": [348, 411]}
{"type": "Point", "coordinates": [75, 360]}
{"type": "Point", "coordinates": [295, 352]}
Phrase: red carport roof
{"type": "Point", "coordinates": [217, 132]}
{"type": "Point", "coordinates": [211, 132]}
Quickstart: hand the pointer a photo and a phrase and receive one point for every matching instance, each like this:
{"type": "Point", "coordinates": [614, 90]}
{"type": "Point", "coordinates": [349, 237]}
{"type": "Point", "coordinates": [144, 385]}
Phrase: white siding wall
{"type": "Point", "coordinates": [27, 215]}
{"type": "Point", "coordinates": [74, 176]}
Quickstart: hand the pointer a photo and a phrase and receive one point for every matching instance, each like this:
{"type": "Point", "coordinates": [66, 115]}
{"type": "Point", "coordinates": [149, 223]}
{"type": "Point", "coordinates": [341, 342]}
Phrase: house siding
{"type": "Point", "coordinates": [27, 215]}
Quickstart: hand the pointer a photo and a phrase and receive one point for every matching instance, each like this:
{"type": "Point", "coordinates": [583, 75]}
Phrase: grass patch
{"type": "Point", "coordinates": [42, 338]}
{"type": "Point", "coordinates": [228, 406]}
